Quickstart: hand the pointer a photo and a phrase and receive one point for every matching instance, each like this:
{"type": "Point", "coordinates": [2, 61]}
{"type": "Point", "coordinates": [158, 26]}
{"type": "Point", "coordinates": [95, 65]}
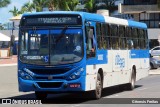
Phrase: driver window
{"type": "Point", "coordinates": [24, 43]}
{"type": "Point", "coordinates": [90, 42]}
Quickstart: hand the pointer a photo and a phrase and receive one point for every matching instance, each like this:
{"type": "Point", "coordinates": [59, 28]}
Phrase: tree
{"type": "Point", "coordinates": [15, 11]}
{"type": "Point", "coordinates": [58, 5]}
{"type": "Point", "coordinates": [28, 7]}
{"type": "Point", "coordinates": [65, 5]}
{"type": "Point", "coordinates": [1, 27]}
{"type": "Point", "coordinates": [40, 4]}
{"type": "Point", "coordinates": [4, 3]}
{"type": "Point", "coordinates": [52, 4]}
{"type": "Point", "coordinates": [93, 5]}
{"type": "Point", "coordinates": [62, 5]}
{"type": "Point", "coordinates": [90, 5]}
{"type": "Point", "coordinates": [72, 4]}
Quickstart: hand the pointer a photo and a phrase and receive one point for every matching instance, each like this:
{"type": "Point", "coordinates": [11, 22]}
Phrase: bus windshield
{"type": "Point", "coordinates": [51, 47]}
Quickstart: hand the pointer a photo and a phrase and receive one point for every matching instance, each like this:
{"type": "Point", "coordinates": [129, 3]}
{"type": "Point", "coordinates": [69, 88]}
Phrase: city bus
{"type": "Point", "coordinates": [70, 51]}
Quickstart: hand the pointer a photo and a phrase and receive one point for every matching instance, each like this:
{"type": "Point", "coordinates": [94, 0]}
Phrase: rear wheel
{"type": "Point", "coordinates": [131, 85]}
{"type": "Point", "coordinates": [40, 95]}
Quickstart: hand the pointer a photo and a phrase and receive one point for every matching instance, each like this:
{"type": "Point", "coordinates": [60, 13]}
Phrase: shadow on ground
{"type": "Point", "coordinates": [77, 98]}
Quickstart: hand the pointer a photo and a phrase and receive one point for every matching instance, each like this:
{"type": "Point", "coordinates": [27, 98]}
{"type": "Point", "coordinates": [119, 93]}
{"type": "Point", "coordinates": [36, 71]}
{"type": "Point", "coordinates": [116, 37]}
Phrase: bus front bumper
{"type": "Point", "coordinates": [52, 86]}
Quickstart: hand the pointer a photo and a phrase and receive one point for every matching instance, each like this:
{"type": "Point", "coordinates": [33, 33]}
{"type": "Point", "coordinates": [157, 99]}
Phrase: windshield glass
{"type": "Point", "coordinates": [51, 47]}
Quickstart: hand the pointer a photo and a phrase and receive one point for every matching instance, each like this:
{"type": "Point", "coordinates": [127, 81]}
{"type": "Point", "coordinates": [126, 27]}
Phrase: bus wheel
{"type": "Point", "coordinates": [131, 85]}
{"type": "Point", "coordinates": [98, 91]}
{"type": "Point", "coordinates": [40, 95]}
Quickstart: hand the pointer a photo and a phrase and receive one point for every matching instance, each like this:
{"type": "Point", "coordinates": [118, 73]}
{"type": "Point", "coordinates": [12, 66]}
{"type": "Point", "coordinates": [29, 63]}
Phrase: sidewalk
{"type": "Point", "coordinates": [8, 61]}
{"type": "Point", "coordinates": [154, 72]}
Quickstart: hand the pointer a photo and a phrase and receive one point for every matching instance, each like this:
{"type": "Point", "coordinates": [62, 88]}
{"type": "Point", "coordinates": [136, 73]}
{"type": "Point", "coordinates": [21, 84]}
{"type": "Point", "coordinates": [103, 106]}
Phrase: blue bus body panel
{"type": "Point", "coordinates": [139, 54]}
{"type": "Point", "coordinates": [101, 58]}
{"type": "Point", "coordinates": [137, 24]}
{"type": "Point", "coordinates": [29, 85]}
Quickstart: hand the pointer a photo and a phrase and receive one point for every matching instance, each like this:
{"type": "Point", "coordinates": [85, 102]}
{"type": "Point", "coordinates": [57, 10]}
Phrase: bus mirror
{"type": "Point", "coordinates": [90, 33]}
{"type": "Point", "coordinates": [88, 24]}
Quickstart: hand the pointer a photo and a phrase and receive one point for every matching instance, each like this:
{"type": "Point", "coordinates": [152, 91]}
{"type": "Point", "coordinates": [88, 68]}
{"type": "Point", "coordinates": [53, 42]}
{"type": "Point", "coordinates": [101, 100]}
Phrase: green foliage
{"type": "Point", "coordinates": [72, 4]}
{"type": "Point", "coordinates": [15, 11]}
{"type": "Point", "coordinates": [52, 4]}
{"type": "Point", "coordinates": [39, 4]}
{"type": "Point", "coordinates": [1, 27]}
{"type": "Point", "coordinates": [92, 5]}
{"type": "Point", "coordinates": [28, 7]}
{"type": "Point", "coordinates": [4, 3]}
{"type": "Point", "coordinates": [64, 5]}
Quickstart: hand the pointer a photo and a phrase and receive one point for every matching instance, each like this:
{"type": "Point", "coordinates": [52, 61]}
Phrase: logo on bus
{"type": "Point", "coordinates": [120, 62]}
{"type": "Point", "coordinates": [46, 59]}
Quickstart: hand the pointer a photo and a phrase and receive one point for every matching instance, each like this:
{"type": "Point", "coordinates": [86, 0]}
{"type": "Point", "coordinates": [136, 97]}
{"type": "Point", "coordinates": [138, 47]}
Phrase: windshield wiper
{"type": "Point", "coordinates": [62, 34]}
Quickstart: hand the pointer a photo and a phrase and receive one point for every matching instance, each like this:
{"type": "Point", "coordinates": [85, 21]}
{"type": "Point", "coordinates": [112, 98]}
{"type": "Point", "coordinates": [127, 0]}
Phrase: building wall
{"type": "Point", "coordinates": [9, 32]}
{"type": "Point", "coordinates": [154, 33]}
{"type": "Point", "coordinates": [146, 11]}
{"type": "Point", "coordinates": [139, 8]}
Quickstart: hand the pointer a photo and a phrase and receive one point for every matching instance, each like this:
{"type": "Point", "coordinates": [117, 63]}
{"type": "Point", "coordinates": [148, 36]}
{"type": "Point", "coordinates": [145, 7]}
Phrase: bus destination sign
{"type": "Point", "coordinates": [56, 20]}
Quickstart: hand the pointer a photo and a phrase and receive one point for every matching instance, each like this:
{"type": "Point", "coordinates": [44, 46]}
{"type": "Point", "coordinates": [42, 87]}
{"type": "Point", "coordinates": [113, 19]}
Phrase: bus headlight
{"type": "Point", "coordinates": [24, 75]}
{"type": "Point", "coordinates": [76, 74]}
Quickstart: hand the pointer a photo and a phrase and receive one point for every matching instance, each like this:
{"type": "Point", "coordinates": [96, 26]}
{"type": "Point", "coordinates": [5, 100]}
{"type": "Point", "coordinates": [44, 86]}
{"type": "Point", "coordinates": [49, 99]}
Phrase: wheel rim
{"type": "Point", "coordinates": [98, 87]}
{"type": "Point", "coordinates": [133, 81]}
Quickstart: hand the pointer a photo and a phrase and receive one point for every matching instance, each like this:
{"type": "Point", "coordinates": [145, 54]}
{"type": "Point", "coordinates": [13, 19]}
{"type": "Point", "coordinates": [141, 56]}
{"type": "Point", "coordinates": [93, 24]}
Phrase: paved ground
{"type": "Point", "coordinates": [8, 61]}
{"type": "Point", "coordinates": [146, 88]}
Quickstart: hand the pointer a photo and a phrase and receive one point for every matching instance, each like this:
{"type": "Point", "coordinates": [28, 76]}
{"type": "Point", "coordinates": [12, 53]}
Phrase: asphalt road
{"type": "Point", "coordinates": [148, 87]}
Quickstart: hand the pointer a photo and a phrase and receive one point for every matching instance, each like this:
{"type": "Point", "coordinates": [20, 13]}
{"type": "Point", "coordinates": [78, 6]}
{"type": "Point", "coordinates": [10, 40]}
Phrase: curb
{"type": "Point", "coordinates": [154, 73]}
{"type": "Point", "coordinates": [4, 65]}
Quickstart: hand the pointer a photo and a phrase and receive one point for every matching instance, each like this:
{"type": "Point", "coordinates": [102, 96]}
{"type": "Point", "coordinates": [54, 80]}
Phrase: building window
{"type": "Point", "coordinates": [140, 2]}
{"type": "Point", "coordinates": [144, 16]}
{"type": "Point", "coordinates": [151, 19]}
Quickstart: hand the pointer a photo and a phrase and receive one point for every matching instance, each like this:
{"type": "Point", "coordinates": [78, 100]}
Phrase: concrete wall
{"type": "Point", "coordinates": [139, 8]}
{"type": "Point", "coordinates": [153, 33]}
{"type": "Point", "coordinates": [9, 32]}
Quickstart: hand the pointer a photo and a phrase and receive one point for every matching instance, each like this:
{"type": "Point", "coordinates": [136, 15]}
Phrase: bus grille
{"type": "Point", "coordinates": [49, 71]}
{"type": "Point", "coordinates": [46, 78]}
{"type": "Point", "coordinates": [49, 84]}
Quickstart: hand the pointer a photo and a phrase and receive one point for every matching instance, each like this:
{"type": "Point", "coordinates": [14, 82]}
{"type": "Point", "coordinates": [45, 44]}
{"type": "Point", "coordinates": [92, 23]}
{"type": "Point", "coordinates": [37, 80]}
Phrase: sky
{"type": "Point", "coordinates": [5, 15]}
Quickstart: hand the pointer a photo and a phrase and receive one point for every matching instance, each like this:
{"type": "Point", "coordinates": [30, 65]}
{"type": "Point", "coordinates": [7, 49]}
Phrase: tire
{"type": "Point", "coordinates": [98, 91]}
{"type": "Point", "coordinates": [131, 85]}
{"type": "Point", "coordinates": [40, 95]}
{"type": "Point", "coordinates": [151, 66]}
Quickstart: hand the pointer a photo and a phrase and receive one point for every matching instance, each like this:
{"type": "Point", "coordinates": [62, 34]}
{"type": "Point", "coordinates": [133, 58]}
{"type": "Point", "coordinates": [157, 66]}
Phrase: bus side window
{"type": "Point", "coordinates": [90, 41]}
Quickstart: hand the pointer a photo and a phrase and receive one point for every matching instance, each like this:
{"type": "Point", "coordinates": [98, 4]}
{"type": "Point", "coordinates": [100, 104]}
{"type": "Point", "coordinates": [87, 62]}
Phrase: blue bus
{"type": "Point", "coordinates": [64, 51]}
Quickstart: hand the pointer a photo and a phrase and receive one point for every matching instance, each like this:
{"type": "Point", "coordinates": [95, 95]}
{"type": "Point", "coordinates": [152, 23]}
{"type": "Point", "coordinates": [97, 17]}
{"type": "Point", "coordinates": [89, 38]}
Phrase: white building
{"type": "Point", "coordinates": [146, 11]}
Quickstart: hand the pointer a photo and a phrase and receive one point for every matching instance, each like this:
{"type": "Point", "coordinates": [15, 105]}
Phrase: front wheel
{"type": "Point", "coordinates": [98, 91]}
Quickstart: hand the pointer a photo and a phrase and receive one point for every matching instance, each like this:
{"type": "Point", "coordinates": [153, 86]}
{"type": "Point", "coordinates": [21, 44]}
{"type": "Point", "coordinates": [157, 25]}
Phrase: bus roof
{"type": "Point", "coordinates": [96, 17]}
